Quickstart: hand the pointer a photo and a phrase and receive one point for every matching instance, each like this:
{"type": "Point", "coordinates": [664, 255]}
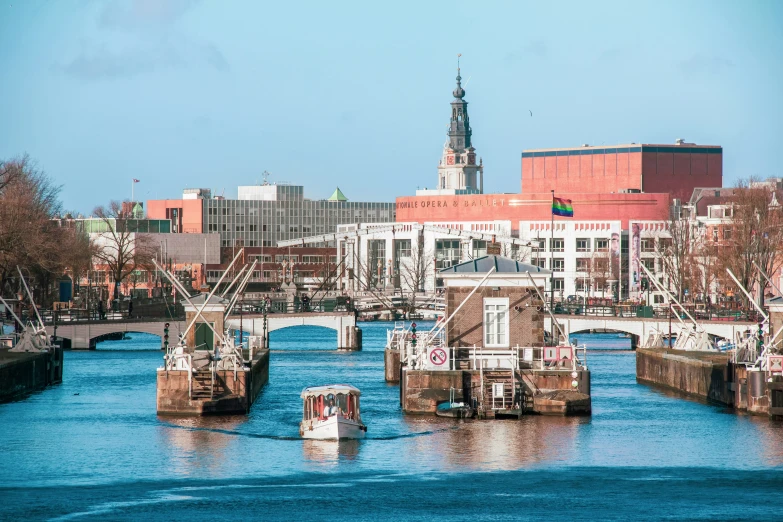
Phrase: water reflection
{"type": "Point", "coordinates": [770, 439]}
{"type": "Point", "coordinates": [489, 445]}
{"type": "Point", "coordinates": [199, 444]}
{"type": "Point", "coordinates": [330, 451]}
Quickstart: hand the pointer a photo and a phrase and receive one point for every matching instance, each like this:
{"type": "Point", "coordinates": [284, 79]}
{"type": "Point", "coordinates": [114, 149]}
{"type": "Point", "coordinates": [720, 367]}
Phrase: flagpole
{"type": "Point", "coordinates": [552, 262]}
{"type": "Point", "coordinates": [133, 186]}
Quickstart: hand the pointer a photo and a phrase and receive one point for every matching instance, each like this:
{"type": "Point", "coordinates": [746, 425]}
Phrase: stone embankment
{"type": "Point", "coordinates": [713, 377]}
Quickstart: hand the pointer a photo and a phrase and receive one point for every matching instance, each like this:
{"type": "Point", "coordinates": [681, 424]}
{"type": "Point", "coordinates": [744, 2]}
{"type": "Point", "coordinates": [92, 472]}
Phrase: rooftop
{"type": "Point", "coordinates": [503, 265]}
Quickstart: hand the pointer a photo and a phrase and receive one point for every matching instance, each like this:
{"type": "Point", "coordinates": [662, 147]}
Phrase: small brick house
{"type": "Point", "coordinates": [201, 337]}
{"type": "Point", "coordinates": [504, 312]}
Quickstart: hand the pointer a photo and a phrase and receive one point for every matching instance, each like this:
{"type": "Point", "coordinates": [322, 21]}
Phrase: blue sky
{"type": "Point", "coordinates": [209, 93]}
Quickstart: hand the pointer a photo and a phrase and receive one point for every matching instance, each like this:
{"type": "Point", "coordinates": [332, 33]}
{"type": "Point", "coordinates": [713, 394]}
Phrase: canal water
{"type": "Point", "coordinates": [93, 448]}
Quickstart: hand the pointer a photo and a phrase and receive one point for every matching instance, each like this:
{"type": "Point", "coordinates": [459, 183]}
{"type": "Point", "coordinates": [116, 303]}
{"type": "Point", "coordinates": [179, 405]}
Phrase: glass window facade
{"type": "Point", "coordinates": [264, 222]}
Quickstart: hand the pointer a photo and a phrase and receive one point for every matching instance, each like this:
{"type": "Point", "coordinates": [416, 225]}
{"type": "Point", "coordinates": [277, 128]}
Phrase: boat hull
{"type": "Point", "coordinates": [456, 411]}
{"type": "Point", "coordinates": [333, 428]}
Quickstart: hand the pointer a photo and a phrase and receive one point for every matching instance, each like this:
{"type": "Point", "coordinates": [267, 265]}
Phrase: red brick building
{"type": "Point", "coordinates": [671, 169]}
{"type": "Point", "coordinates": [531, 207]}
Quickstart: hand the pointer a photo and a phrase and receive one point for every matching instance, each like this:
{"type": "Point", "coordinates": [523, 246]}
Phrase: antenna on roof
{"type": "Point", "coordinates": [265, 175]}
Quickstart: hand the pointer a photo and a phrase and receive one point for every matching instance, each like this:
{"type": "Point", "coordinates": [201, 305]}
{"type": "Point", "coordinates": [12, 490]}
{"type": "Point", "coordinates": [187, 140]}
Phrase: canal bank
{"type": "Point", "coordinates": [22, 373]}
{"type": "Point", "coordinates": [713, 377]}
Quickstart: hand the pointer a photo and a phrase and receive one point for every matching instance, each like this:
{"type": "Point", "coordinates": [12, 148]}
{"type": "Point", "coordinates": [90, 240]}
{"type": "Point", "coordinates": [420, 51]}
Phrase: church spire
{"type": "Point", "coordinates": [459, 92]}
{"type": "Point", "coordinates": [458, 172]}
{"type": "Point", "coordinates": [459, 126]}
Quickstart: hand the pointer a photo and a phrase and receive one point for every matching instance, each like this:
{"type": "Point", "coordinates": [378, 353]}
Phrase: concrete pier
{"type": "Point", "coordinates": [232, 396]}
{"type": "Point", "coordinates": [391, 365]}
{"type": "Point", "coordinates": [540, 392]}
{"type": "Point", "coordinates": [711, 376]}
{"type": "Point", "coordinates": [22, 373]}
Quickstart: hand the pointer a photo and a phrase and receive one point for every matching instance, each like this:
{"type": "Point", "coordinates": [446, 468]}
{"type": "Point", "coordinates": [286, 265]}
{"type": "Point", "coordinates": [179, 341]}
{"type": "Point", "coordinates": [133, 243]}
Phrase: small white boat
{"type": "Point", "coordinates": [331, 412]}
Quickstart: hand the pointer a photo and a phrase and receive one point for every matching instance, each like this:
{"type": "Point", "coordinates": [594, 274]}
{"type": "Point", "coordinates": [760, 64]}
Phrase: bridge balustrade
{"type": "Point", "coordinates": [658, 312]}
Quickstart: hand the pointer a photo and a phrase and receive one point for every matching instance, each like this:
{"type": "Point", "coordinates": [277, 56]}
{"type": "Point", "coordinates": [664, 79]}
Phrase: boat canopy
{"type": "Point", "coordinates": [330, 389]}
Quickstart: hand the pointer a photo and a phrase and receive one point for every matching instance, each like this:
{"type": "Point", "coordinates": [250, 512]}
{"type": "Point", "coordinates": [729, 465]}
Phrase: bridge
{"type": "Point", "coordinates": [639, 327]}
{"type": "Point", "coordinates": [85, 334]}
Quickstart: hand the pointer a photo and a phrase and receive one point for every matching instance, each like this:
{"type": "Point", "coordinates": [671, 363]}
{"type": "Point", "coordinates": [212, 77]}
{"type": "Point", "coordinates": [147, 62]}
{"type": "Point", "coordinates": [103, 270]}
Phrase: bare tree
{"type": "Point", "coordinates": [30, 237]}
{"type": "Point", "coordinates": [119, 247]}
{"type": "Point", "coordinates": [754, 232]}
{"type": "Point", "coordinates": [414, 269]}
{"type": "Point", "coordinates": [413, 273]}
{"type": "Point", "coordinates": [704, 275]}
{"type": "Point", "coordinates": [674, 249]}
{"type": "Point", "coordinates": [515, 252]}
{"type": "Point", "coordinates": [600, 269]}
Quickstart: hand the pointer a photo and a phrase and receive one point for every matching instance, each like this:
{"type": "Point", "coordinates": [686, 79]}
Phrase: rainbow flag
{"type": "Point", "coordinates": [562, 207]}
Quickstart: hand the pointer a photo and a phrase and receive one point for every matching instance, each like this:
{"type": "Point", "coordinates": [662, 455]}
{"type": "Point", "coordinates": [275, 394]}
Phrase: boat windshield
{"type": "Point", "coordinates": [322, 407]}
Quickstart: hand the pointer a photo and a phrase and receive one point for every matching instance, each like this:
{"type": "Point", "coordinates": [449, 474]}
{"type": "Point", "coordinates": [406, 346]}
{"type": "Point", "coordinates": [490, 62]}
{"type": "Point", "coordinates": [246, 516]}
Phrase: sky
{"type": "Point", "coordinates": [188, 93]}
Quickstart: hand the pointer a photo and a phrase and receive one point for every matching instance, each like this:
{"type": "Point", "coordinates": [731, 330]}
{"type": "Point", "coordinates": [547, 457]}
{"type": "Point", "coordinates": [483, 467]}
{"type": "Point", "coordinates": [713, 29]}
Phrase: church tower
{"type": "Point", "coordinates": [458, 170]}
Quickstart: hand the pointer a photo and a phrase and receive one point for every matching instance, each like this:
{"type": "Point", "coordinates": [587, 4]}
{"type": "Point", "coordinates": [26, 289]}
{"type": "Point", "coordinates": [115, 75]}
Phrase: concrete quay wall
{"type": "Point", "coordinates": [173, 398]}
{"type": "Point", "coordinates": [24, 373]}
{"type": "Point", "coordinates": [422, 390]}
{"type": "Point", "coordinates": [712, 377]}
{"type": "Point", "coordinates": [701, 374]}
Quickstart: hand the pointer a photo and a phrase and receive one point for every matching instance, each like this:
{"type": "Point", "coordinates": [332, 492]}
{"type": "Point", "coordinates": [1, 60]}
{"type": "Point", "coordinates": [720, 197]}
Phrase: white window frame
{"type": "Point", "coordinates": [496, 301]}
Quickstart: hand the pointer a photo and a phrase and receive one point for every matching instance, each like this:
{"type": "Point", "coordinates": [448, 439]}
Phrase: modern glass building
{"type": "Point", "coordinates": [265, 214]}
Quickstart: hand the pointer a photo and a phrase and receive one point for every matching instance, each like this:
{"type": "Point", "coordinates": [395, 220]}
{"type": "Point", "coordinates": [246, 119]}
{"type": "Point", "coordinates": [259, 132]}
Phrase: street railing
{"type": "Point", "coordinates": [653, 312]}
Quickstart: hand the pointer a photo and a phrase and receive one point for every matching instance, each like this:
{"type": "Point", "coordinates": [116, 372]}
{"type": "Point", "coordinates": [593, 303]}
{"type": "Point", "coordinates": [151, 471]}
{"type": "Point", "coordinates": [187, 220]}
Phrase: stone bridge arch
{"type": "Point", "coordinates": [344, 325]}
{"type": "Point", "coordinates": [84, 336]}
{"type": "Point", "coordinates": [639, 327]}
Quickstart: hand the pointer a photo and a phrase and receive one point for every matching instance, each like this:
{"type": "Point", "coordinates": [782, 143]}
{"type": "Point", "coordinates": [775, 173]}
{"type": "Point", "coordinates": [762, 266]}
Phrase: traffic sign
{"type": "Point", "coordinates": [438, 357]}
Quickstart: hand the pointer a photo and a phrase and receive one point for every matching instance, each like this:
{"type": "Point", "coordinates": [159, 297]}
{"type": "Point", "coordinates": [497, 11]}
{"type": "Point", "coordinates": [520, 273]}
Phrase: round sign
{"type": "Point", "coordinates": [438, 356]}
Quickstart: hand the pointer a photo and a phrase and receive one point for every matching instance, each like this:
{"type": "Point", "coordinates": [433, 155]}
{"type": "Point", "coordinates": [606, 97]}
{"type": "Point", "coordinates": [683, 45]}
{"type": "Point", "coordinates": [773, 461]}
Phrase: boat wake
{"type": "Point", "coordinates": [297, 438]}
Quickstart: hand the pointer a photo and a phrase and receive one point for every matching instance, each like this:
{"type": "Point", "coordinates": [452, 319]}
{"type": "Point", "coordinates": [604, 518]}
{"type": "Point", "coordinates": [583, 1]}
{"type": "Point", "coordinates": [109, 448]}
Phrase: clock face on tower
{"type": "Point", "coordinates": [450, 160]}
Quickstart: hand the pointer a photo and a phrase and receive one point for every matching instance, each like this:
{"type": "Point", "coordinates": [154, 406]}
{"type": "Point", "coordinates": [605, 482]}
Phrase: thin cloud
{"type": "Point", "coordinates": [536, 48]}
{"type": "Point", "coordinates": [705, 64]}
{"type": "Point", "coordinates": [135, 15]}
{"type": "Point", "coordinates": [96, 61]}
{"type": "Point", "coordinates": [152, 41]}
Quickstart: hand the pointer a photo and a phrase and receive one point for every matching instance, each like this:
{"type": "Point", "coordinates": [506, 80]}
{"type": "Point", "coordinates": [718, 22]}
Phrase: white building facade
{"type": "Point", "coordinates": [584, 256]}
{"type": "Point", "coordinates": [409, 256]}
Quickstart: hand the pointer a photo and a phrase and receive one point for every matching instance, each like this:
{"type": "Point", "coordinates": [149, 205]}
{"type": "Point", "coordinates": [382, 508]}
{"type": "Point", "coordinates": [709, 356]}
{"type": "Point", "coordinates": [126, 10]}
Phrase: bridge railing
{"type": "Point", "coordinates": [75, 315]}
{"type": "Point", "coordinates": [653, 312]}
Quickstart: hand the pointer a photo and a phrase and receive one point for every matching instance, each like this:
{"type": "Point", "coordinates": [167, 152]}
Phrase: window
{"type": "Point", "coordinates": [496, 322]}
{"type": "Point", "coordinates": [648, 245]}
{"type": "Point", "coordinates": [403, 247]}
{"type": "Point", "coordinates": [602, 245]}
{"type": "Point", "coordinates": [539, 262]}
{"type": "Point", "coordinates": [558, 264]}
{"type": "Point", "coordinates": [559, 285]}
{"type": "Point", "coordinates": [557, 244]}
{"type": "Point", "coordinates": [479, 248]}
{"type": "Point", "coordinates": [727, 234]}
{"type": "Point", "coordinates": [447, 253]}
{"type": "Point", "coordinates": [665, 243]}
{"type": "Point", "coordinates": [649, 264]}
{"type": "Point", "coordinates": [582, 245]}
{"type": "Point", "coordinates": [582, 264]}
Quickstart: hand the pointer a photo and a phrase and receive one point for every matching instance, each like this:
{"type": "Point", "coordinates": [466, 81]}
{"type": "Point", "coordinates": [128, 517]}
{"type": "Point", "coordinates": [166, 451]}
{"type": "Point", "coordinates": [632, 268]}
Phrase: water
{"type": "Point", "coordinates": [94, 449]}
